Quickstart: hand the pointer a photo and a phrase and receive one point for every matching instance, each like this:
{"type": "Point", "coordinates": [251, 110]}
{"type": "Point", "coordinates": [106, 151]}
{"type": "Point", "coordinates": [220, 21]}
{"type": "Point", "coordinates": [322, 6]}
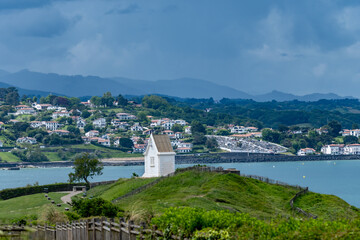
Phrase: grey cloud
{"type": "Point", "coordinates": [25, 4]}
{"type": "Point", "coordinates": [127, 10]}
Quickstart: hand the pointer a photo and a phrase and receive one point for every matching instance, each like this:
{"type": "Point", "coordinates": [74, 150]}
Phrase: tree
{"type": "Point", "coordinates": [177, 128]}
{"type": "Point", "coordinates": [85, 114]}
{"type": "Point", "coordinates": [271, 136]}
{"type": "Point", "coordinates": [12, 98]}
{"type": "Point", "coordinates": [142, 117]}
{"type": "Point", "coordinates": [223, 132]}
{"type": "Point", "coordinates": [199, 139]}
{"type": "Point", "coordinates": [121, 100]}
{"type": "Point", "coordinates": [96, 100]}
{"type": "Point", "coordinates": [350, 139]}
{"type": "Point", "coordinates": [85, 166]}
{"type": "Point", "coordinates": [211, 143]}
{"type": "Point", "coordinates": [334, 128]}
{"type": "Point", "coordinates": [126, 142]}
{"type": "Point", "coordinates": [88, 127]}
{"type": "Point", "coordinates": [197, 127]}
{"type": "Point", "coordinates": [355, 126]}
{"type": "Point", "coordinates": [154, 102]}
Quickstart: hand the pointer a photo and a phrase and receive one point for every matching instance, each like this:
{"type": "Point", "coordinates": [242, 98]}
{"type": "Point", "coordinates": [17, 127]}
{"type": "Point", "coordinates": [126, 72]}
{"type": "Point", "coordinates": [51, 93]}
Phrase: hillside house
{"type": "Point", "coordinates": [41, 107]}
{"type": "Point", "coordinates": [92, 133]}
{"type": "Point", "coordinates": [99, 123]}
{"type": "Point", "coordinates": [80, 123]}
{"type": "Point", "coordinates": [352, 149]}
{"type": "Point", "coordinates": [28, 140]}
{"type": "Point", "coordinates": [51, 125]}
{"type": "Point", "coordinates": [35, 124]}
{"type": "Point", "coordinates": [183, 150]}
{"type": "Point", "coordinates": [56, 115]}
{"type": "Point", "coordinates": [136, 128]}
{"type": "Point", "coordinates": [139, 148]}
{"type": "Point", "coordinates": [125, 116]}
{"type": "Point", "coordinates": [27, 111]}
{"type": "Point", "coordinates": [104, 142]}
{"type": "Point", "coordinates": [60, 132]}
{"type": "Point", "coordinates": [18, 107]}
{"type": "Point", "coordinates": [306, 151]}
{"type": "Point", "coordinates": [178, 135]}
{"type": "Point", "coordinates": [180, 122]}
{"type": "Point", "coordinates": [187, 130]}
{"type": "Point", "coordinates": [333, 149]}
{"type": "Point", "coordinates": [159, 157]}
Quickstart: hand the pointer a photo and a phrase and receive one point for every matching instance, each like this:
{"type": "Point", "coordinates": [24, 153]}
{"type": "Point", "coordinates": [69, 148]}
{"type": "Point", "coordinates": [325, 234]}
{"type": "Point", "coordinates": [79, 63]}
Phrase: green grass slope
{"type": "Point", "coordinates": [27, 205]}
{"type": "Point", "coordinates": [214, 191]}
{"type": "Point", "coordinates": [121, 187]}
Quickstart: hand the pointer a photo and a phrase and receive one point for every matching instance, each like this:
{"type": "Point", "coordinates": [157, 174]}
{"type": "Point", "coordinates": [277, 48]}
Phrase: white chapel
{"type": "Point", "coordinates": [159, 157]}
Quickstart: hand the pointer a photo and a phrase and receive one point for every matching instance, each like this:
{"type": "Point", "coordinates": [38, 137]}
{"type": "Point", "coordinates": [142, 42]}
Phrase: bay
{"type": "Point", "coordinates": [340, 178]}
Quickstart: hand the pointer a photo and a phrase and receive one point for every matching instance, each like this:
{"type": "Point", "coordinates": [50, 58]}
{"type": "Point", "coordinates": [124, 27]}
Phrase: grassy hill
{"type": "Point", "coordinates": [30, 205]}
{"type": "Point", "coordinates": [215, 191]}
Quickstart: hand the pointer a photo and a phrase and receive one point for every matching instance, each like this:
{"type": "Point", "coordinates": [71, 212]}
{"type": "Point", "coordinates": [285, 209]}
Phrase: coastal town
{"type": "Point", "coordinates": [33, 129]}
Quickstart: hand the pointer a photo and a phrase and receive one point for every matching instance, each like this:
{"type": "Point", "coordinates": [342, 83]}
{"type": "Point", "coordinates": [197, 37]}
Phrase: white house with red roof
{"type": "Point", "coordinates": [306, 151]}
{"type": "Point", "coordinates": [333, 149]}
{"type": "Point", "coordinates": [352, 149]}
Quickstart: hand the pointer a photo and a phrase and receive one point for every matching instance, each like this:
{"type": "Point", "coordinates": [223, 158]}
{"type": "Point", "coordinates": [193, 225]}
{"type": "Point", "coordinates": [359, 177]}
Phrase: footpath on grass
{"type": "Point", "coordinates": [67, 198]}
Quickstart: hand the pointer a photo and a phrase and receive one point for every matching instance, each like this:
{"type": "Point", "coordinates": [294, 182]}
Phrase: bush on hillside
{"type": "Point", "coordinates": [95, 207]}
{"type": "Point", "coordinates": [22, 191]}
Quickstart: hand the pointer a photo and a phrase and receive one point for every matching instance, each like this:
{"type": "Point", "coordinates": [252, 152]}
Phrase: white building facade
{"type": "Point", "coordinates": [159, 157]}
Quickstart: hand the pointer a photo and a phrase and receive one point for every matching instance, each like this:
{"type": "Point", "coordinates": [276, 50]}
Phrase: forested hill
{"type": "Point", "coordinates": [273, 114]}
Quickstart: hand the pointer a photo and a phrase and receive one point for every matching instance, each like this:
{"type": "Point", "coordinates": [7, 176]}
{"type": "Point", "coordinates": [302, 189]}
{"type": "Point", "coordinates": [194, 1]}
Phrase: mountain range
{"type": "Point", "coordinates": [42, 84]}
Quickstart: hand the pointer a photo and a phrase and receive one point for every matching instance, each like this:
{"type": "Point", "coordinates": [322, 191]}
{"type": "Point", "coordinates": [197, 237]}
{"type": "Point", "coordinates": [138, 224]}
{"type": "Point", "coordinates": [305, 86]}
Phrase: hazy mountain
{"type": "Point", "coordinates": [185, 88]}
{"type": "Point", "coordinates": [67, 85]}
{"type": "Point", "coordinates": [35, 83]}
{"type": "Point", "coordinates": [281, 96]}
{"type": "Point", "coordinates": [3, 73]}
{"type": "Point", "coordinates": [26, 92]}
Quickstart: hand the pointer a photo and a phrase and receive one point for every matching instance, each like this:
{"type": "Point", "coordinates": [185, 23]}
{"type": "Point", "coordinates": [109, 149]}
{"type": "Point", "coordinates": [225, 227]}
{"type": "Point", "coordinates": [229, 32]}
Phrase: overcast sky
{"type": "Point", "coordinates": [255, 46]}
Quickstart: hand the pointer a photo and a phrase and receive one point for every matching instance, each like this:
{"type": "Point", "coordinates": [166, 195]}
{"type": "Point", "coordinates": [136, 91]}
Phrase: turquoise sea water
{"type": "Point", "coordinates": [341, 178]}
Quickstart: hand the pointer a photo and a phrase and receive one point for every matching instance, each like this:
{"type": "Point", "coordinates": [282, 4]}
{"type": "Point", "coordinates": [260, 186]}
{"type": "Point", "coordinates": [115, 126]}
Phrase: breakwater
{"type": "Point", "coordinates": [234, 157]}
{"type": "Point", "coordinates": [202, 158]}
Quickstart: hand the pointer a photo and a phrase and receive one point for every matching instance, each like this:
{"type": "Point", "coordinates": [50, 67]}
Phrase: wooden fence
{"type": "Point", "coordinates": [97, 229]}
{"type": "Point", "coordinates": [299, 210]}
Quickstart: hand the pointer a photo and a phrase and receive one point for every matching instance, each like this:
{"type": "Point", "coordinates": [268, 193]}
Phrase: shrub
{"type": "Point", "coordinates": [95, 207]}
{"type": "Point", "coordinates": [22, 191]}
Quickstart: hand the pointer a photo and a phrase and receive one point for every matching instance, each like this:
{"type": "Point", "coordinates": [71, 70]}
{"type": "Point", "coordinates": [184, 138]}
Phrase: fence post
{"type": "Point", "coordinates": [130, 223]}
{"type": "Point", "coordinates": [86, 229]}
{"type": "Point", "coordinates": [94, 229]}
{"type": "Point", "coordinates": [121, 221]}
{"type": "Point", "coordinates": [45, 231]}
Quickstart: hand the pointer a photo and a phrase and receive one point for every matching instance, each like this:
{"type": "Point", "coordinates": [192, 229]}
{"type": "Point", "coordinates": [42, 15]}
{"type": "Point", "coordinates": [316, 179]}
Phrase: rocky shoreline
{"type": "Point", "coordinates": [231, 157]}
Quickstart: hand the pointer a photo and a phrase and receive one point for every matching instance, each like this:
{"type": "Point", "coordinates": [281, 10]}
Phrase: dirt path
{"type": "Point", "coordinates": [67, 198]}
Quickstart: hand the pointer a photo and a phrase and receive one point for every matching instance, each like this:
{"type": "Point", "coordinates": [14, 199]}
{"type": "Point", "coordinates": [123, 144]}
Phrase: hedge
{"type": "Point", "coordinates": [22, 191]}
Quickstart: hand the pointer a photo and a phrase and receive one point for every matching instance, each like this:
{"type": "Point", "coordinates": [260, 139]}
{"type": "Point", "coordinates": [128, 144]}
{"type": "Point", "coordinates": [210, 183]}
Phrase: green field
{"type": "Point", "coordinates": [27, 205]}
{"type": "Point", "coordinates": [9, 157]}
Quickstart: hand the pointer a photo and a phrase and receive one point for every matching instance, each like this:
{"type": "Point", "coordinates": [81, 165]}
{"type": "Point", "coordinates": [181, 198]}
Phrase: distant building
{"type": "Point", "coordinates": [23, 111]}
{"type": "Point", "coordinates": [125, 116]}
{"type": "Point", "coordinates": [352, 149]}
{"type": "Point", "coordinates": [29, 140]}
{"type": "Point", "coordinates": [333, 149]}
{"type": "Point", "coordinates": [99, 123]}
{"type": "Point", "coordinates": [306, 151]}
{"type": "Point", "coordinates": [159, 157]}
